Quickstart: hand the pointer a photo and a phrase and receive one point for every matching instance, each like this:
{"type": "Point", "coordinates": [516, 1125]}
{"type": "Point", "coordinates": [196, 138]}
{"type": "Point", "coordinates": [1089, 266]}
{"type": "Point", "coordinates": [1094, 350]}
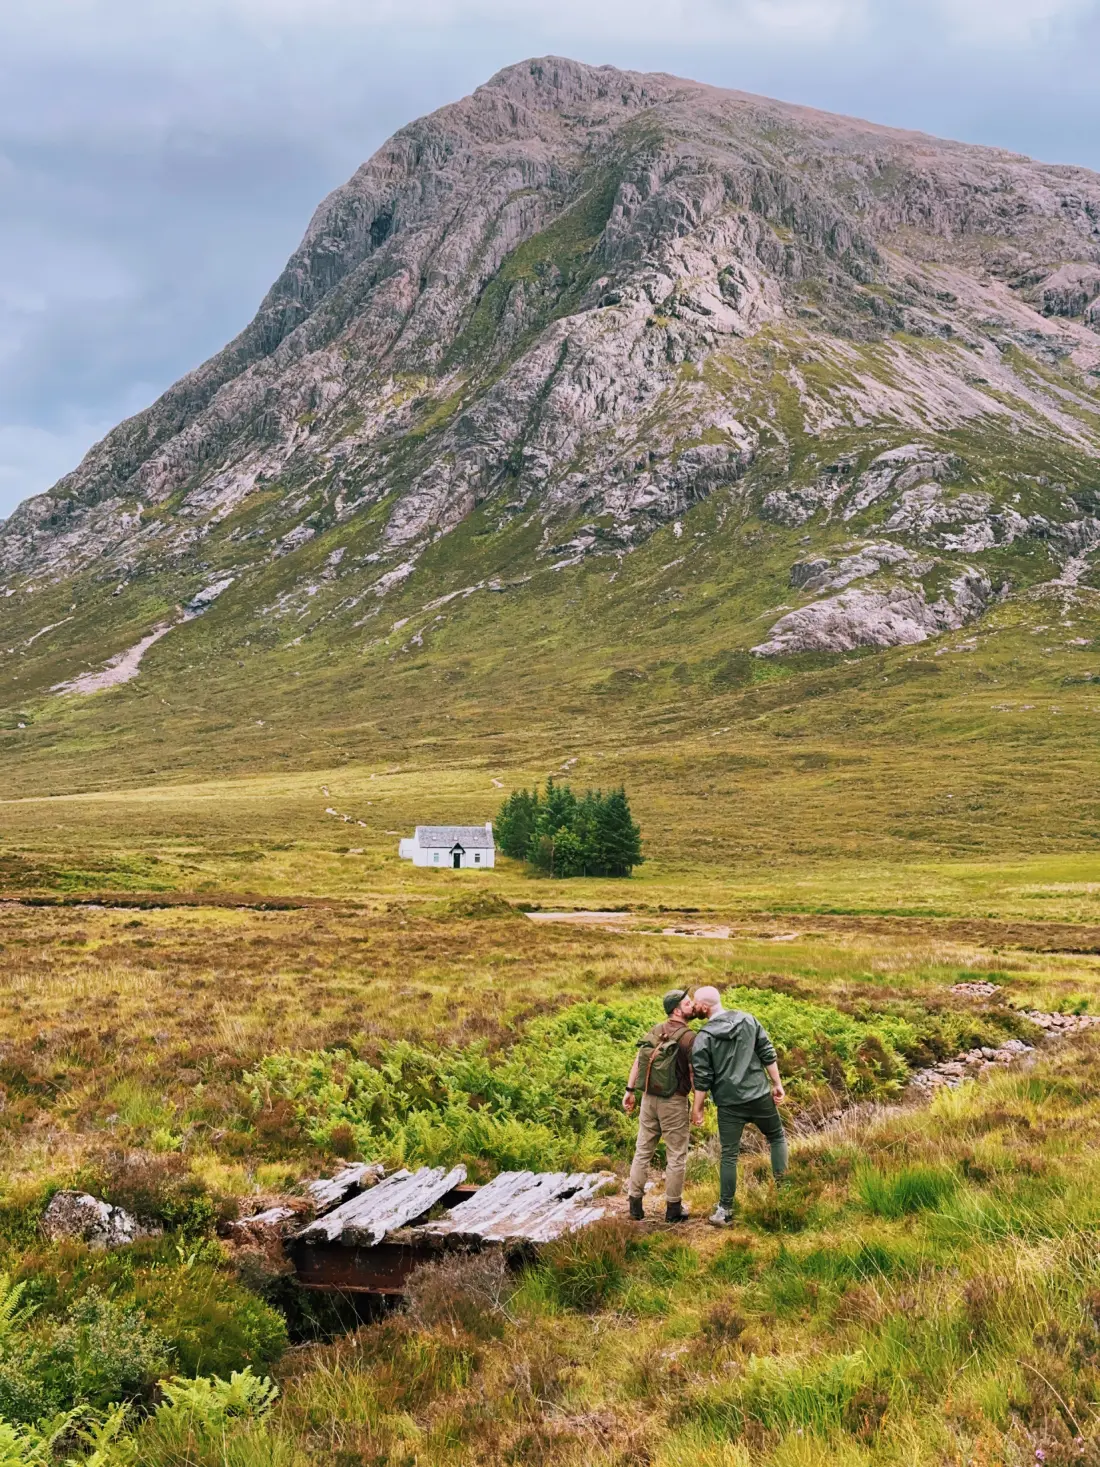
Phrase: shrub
{"type": "Point", "coordinates": [156, 1188]}
{"type": "Point", "coordinates": [100, 1352]}
{"type": "Point", "coordinates": [552, 1100]}
{"type": "Point", "coordinates": [24, 1395]}
{"type": "Point", "coordinates": [723, 1324]}
{"type": "Point", "coordinates": [104, 1352]}
{"type": "Point", "coordinates": [21, 1212]}
{"type": "Point", "coordinates": [463, 1291]}
{"type": "Point", "coordinates": [912, 1189]}
{"type": "Point", "coordinates": [586, 1268]}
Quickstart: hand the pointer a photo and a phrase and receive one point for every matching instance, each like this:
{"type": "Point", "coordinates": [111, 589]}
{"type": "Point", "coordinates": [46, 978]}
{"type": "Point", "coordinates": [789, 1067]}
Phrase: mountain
{"type": "Point", "coordinates": [593, 391]}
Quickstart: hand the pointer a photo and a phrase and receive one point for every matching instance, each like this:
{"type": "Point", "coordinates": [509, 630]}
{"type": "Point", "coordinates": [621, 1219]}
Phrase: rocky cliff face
{"type": "Point", "coordinates": [582, 301]}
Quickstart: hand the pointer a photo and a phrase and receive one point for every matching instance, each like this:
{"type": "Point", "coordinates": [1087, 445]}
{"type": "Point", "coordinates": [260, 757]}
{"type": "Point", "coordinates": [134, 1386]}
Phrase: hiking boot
{"type": "Point", "coordinates": [636, 1213]}
{"type": "Point", "coordinates": [721, 1217]}
{"type": "Point", "coordinates": [676, 1212]}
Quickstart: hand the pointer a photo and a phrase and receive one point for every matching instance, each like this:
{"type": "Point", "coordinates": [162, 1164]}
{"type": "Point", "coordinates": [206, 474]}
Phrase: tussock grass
{"type": "Point", "coordinates": [910, 1189]}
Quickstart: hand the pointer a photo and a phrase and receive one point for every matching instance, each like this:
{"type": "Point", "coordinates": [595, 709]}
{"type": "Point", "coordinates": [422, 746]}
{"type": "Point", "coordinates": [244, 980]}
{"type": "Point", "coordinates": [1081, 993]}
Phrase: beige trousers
{"type": "Point", "coordinates": [669, 1117]}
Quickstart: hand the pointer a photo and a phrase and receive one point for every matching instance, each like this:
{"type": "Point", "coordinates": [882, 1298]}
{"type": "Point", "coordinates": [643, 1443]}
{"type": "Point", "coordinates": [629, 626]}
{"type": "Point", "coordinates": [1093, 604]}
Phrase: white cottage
{"type": "Point", "coordinates": [450, 845]}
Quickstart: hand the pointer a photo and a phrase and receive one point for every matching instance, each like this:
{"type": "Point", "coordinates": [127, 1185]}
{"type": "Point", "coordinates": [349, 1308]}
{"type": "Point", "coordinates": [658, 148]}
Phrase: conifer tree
{"type": "Point", "coordinates": [565, 836]}
{"type": "Point", "coordinates": [620, 838]}
{"type": "Point", "coordinates": [515, 823]}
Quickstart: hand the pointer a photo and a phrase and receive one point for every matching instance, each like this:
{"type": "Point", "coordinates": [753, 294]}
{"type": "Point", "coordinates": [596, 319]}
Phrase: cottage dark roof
{"type": "Point", "coordinates": [443, 837]}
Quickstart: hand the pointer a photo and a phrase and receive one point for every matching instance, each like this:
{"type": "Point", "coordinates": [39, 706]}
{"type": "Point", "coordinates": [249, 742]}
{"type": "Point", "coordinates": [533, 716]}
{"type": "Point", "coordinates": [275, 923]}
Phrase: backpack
{"type": "Point", "coordinates": [657, 1061]}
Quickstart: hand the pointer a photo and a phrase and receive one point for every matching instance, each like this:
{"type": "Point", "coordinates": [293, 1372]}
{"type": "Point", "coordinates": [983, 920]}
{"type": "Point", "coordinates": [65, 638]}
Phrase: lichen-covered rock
{"type": "Point", "coordinates": [1071, 289]}
{"type": "Point", "coordinates": [897, 617]}
{"type": "Point", "coordinates": [894, 618]}
{"type": "Point", "coordinates": [80, 1217]}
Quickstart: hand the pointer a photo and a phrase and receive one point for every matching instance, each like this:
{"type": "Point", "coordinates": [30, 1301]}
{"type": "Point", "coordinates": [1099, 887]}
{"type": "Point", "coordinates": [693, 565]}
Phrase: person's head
{"type": "Point", "coordinates": [707, 1000]}
{"type": "Point", "coordinates": [678, 1004]}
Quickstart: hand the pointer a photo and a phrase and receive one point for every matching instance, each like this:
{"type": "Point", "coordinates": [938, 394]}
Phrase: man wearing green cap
{"type": "Point", "coordinates": [661, 1074]}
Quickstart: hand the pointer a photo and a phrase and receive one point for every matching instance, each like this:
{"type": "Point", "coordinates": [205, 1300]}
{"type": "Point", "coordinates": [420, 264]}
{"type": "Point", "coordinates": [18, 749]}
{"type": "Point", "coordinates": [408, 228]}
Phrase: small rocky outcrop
{"type": "Point", "coordinates": [897, 617]}
{"type": "Point", "coordinates": [977, 1061]}
{"type": "Point", "coordinates": [1072, 290]}
{"type": "Point", "coordinates": [80, 1217]}
{"type": "Point", "coordinates": [1062, 1023]}
{"type": "Point", "coordinates": [894, 618]}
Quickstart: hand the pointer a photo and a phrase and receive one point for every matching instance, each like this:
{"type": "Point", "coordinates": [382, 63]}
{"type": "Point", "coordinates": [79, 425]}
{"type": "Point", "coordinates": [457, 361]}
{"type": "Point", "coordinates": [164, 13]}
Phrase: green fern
{"type": "Point", "coordinates": [101, 1435]}
{"type": "Point", "coordinates": [14, 1314]}
{"type": "Point", "coordinates": [211, 1401]}
{"type": "Point", "coordinates": [31, 1446]}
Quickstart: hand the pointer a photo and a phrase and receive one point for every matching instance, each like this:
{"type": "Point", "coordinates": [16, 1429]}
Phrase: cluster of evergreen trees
{"type": "Point", "coordinates": [566, 836]}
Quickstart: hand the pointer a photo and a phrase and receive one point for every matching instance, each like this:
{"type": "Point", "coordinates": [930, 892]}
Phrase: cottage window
{"type": "Point", "coordinates": [477, 859]}
{"type": "Point", "coordinates": [435, 858]}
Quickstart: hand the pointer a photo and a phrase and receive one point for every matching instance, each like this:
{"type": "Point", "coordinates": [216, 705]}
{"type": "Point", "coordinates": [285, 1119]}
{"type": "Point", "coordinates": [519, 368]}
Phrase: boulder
{"type": "Point", "coordinates": [80, 1217]}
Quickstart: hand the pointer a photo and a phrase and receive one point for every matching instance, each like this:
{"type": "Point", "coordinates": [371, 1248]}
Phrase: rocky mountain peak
{"type": "Point", "coordinates": [581, 302]}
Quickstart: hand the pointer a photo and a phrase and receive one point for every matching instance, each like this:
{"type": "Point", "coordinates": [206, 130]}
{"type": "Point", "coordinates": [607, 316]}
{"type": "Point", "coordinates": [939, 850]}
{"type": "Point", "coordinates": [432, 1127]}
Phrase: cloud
{"type": "Point", "coordinates": [1011, 23]}
{"type": "Point", "coordinates": [40, 456]}
{"type": "Point", "coordinates": [145, 27]}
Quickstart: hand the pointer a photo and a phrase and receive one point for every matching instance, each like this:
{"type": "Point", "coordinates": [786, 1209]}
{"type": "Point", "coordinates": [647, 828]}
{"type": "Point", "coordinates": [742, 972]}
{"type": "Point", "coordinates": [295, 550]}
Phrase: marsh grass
{"type": "Point", "coordinates": [910, 1189]}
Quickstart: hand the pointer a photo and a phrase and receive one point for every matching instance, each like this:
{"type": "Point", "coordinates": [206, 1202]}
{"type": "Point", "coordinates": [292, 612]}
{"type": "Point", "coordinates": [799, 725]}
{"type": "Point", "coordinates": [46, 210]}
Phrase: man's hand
{"type": "Point", "coordinates": [778, 1093]}
{"type": "Point", "coordinates": [629, 1101]}
{"type": "Point", "coordinates": [697, 1113]}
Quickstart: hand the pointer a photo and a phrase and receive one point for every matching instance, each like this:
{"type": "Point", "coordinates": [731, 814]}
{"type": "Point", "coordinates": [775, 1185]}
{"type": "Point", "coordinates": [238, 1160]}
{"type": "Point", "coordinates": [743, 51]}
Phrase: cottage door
{"type": "Point", "coordinates": [456, 857]}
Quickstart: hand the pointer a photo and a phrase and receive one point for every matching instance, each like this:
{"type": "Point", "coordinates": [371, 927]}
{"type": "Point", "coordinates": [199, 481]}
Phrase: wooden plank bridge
{"type": "Point", "coordinates": [373, 1241]}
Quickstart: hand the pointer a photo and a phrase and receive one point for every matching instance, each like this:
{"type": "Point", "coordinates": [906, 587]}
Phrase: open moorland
{"type": "Point", "coordinates": [213, 992]}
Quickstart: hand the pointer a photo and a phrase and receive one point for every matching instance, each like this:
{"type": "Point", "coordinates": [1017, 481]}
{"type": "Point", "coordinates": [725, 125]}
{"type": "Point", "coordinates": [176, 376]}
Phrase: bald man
{"type": "Point", "coordinates": [734, 1061]}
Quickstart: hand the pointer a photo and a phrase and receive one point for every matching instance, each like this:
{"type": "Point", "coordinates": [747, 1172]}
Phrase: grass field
{"type": "Point", "coordinates": [214, 990]}
{"type": "Point", "coordinates": [217, 981]}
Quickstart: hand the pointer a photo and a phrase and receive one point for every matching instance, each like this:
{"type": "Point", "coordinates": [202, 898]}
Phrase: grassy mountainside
{"type": "Point", "coordinates": [598, 406]}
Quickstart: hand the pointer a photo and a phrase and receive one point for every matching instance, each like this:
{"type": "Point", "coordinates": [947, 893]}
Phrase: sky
{"type": "Point", "coordinates": [160, 159]}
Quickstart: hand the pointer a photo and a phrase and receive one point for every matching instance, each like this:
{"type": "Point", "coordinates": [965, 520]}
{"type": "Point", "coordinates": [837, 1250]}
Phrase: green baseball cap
{"type": "Point", "coordinates": [673, 999]}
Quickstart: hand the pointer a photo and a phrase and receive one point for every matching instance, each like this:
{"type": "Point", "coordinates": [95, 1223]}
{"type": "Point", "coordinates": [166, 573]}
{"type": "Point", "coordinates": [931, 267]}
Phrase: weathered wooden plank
{"type": "Point", "coordinates": [397, 1200]}
{"type": "Point", "coordinates": [273, 1219]}
{"type": "Point", "coordinates": [328, 1192]}
{"type": "Point", "coordinates": [522, 1206]}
